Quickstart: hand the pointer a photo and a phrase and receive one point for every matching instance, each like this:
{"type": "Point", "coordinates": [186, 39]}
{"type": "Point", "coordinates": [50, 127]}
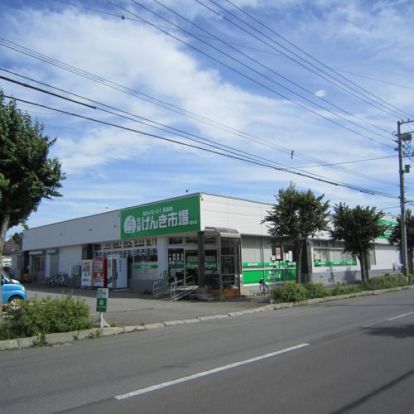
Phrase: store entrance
{"type": "Point", "coordinates": [183, 265]}
{"type": "Point", "coordinates": [176, 267]}
{"type": "Point", "coordinates": [191, 265]}
{"type": "Point", "coordinates": [223, 279]}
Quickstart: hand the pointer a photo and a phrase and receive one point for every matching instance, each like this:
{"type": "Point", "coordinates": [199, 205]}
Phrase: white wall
{"type": "Point", "coordinates": [242, 215]}
{"type": "Point", "coordinates": [386, 256]}
{"type": "Point", "coordinates": [92, 229]}
{"type": "Point", "coordinates": [69, 256]}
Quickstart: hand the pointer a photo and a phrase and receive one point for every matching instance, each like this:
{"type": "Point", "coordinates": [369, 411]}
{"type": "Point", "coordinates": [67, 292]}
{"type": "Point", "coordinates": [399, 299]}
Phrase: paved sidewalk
{"type": "Point", "coordinates": [126, 308]}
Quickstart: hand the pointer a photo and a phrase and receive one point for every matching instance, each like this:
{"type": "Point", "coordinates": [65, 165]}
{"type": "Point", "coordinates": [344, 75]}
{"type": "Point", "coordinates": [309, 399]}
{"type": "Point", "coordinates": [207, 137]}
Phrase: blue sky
{"type": "Point", "coordinates": [235, 84]}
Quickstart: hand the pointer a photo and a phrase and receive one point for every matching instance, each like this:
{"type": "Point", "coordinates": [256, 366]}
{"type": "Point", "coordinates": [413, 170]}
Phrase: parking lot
{"type": "Point", "coordinates": [128, 308]}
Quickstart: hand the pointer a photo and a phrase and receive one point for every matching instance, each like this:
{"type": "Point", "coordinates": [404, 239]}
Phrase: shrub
{"type": "Point", "coordinates": [344, 289]}
{"type": "Point", "coordinates": [316, 290]}
{"type": "Point", "coordinates": [41, 317]}
{"type": "Point", "coordinates": [291, 292]}
{"type": "Point", "coordinates": [385, 282]}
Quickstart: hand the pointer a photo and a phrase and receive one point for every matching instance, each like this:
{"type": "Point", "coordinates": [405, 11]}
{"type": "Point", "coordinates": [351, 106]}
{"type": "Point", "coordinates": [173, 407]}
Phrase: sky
{"type": "Point", "coordinates": [293, 86]}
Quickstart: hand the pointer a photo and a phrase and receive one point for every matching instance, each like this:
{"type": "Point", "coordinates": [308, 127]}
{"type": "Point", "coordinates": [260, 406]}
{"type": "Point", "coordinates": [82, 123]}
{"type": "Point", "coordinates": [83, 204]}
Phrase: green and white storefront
{"type": "Point", "coordinates": [220, 243]}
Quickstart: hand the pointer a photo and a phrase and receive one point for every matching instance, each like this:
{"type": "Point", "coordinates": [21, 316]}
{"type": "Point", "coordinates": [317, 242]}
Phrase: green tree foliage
{"type": "Point", "coordinates": [295, 217]}
{"type": "Point", "coordinates": [358, 228]}
{"type": "Point", "coordinates": [27, 175]}
{"type": "Point", "coordinates": [396, 237]}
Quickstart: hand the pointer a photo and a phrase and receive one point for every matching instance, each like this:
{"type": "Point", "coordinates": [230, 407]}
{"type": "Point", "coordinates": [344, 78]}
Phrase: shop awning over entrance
{"type": "Point", "coordinates": [222, 232]}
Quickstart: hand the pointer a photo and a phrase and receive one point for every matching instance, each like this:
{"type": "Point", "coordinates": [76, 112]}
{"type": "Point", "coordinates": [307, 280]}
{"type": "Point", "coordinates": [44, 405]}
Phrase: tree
{"type": "Point", "coordinates": [295, 217]}
{"type": "Point", "coordinates": [396, 237]}
{"type": "Point", "coordinates": [358, 228]}
{"type": "Point", "coordinates": [27, 175]}
{"type": "Point", "coordinates": [17, 239]}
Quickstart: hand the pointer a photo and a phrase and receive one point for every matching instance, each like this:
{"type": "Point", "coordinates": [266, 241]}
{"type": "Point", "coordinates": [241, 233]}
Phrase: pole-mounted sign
{"type": "Point", "coordinates": [102, 295]}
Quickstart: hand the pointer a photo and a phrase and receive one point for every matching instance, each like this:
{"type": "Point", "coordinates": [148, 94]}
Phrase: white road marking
{"type": "Point", "coordinates": [205, 373]}
{"type": "Point", "coordinates": [400, 316]}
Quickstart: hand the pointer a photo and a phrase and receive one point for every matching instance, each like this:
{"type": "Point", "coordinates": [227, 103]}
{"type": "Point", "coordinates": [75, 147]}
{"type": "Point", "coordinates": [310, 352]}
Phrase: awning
{"type": "Point", "coordinates": [222, 232]}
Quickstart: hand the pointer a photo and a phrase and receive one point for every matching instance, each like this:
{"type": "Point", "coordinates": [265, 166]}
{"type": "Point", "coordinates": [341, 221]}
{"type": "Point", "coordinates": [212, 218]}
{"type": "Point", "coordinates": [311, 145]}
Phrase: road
{"type": "Point", "coordinates": [350, 356]}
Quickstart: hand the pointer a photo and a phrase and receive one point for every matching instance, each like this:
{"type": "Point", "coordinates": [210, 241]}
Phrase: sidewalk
{"type": "Point", "coordinates": [131, 313]}
{"type": "Point", "coordinates": [126, 308]}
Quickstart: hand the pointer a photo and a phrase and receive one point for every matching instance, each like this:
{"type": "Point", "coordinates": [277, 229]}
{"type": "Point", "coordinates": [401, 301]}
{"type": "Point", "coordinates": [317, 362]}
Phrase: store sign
{"type": "Point", "coordinates": [174, 216]}
{"type": "Point", "coordinates": [390, 228]}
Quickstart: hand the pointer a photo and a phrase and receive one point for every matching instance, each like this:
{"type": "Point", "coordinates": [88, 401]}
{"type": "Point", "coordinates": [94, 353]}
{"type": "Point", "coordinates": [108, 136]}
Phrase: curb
{"type": "Point", "coordinates": [73, 336]}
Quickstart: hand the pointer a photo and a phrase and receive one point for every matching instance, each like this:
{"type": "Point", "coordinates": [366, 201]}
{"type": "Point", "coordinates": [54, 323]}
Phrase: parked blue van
{"type": "Point", "coordinates": [12, 291]}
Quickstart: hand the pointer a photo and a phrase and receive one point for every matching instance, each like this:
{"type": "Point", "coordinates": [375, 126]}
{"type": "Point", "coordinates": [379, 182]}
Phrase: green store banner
{"type": "Point", "coordinates": [155, 219]}
{"type": "Point", "coordinates": [387, 233]}
{"type": "Point", "coordinates": [330, 263]}
{"type": "Point", "coordinates": [271, 272]}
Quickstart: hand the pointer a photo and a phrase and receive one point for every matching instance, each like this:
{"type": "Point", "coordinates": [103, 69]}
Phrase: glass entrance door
{"type": "Point", "coordinates": [230, 262]}
{"type": "Point", "coordinates": [176, 265]}
{"type": "Point", "coordinates": [191, 265]}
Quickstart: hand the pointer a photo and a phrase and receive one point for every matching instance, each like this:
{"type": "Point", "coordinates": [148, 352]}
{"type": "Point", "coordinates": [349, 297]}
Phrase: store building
{"type": "Point", "coordinates": [216, 243]}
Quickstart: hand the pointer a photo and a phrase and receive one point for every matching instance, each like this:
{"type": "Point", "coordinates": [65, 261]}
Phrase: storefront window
{"type": "Point", "coordinates": [191, 240]}
{"type": "Point", "coordinates": [38, 263]}
{"type": "Point", "coordinates": [176, 266]}
{"type": "Point", "coordinates": [175, 240]}
{"type": "Point", "coordinates": [328, 256]}
{"type": "Point", "coordinates": [211, 261]}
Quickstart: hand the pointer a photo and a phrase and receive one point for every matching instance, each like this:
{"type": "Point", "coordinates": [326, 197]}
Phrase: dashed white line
{"type": "Point", "coordinates": [205, 373]}
{"type": "Point", "coordinates": [400, 316]}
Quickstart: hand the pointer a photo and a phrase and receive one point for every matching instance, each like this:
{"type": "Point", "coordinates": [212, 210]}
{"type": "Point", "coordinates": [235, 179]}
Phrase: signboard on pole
{"type": "Point", "coordinates": [102, 295]}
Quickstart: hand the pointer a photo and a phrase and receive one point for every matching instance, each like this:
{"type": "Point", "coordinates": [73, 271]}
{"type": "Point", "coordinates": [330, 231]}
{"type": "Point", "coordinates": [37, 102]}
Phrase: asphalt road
{"type": "Point", "coordinates": [352, 356]}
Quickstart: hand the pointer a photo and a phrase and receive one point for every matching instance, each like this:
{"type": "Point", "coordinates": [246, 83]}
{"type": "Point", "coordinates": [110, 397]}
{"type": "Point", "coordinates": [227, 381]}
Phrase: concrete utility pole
{"type": "Point", "coordinates": [403, 139]}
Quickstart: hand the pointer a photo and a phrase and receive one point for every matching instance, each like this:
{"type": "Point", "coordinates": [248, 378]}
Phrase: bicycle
{"type": "Point", "coordinates": [58, 280]}
{"type": "Point", "coordinates": [263, 287]}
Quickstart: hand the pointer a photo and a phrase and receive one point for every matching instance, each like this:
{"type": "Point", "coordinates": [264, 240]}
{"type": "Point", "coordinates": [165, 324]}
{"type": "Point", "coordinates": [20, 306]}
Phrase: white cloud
{"type": "Point", "coordinates": [320, 93]}
{"type": "Point", "coordinates": [153, 64]}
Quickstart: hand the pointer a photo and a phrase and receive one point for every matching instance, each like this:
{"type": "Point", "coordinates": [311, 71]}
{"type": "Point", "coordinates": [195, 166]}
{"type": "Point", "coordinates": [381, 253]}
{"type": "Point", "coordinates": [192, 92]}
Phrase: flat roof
{"type": "Point", "coordinates": [149, 203]}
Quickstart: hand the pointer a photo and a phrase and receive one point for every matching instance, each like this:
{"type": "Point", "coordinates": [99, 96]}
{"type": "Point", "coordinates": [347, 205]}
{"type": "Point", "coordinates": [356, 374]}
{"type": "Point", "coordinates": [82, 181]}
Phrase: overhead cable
{"type": "Point", "coordinates": [266, 67]}
{"type": "Point", "coordinates": [140, 132]}
{"type": "Point", "coordinates": [151, 123]}
{"type": "Point", "coordinates": [255, 81]}
{"type": "Point", "coordinates": [308, 65]}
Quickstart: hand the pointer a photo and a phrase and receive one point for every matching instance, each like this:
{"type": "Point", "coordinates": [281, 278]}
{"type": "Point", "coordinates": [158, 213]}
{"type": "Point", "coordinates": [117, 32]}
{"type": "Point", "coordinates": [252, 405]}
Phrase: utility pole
{"type": "Point", "coordinates": [403, 140]}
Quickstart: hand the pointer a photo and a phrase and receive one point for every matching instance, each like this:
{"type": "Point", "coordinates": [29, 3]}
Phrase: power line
{"type": "Point", "coordinates": [242, 135]}
{"type": "Point", "coordinates": [50, 93]}
{"type": "Point", "coordinates": [123, 17]}
{"type": "Point", "coordinates": [140, 95]}
{"type": "Point", "coordinates": [348, 162]}
{"type": "Point", "coordinates": [378, 80]}
{"type": "Point", "coordinates": [227, 44]}
{"type": "Point", "coordinates": [353, 85]}
{"type": "Point", "coordinates": [141, 120]}
{"type": "Point", "coordinates": [147, 98]}
{"type": "Point", "coordinates": [158, 125]}
{"type": "Point", "coordinates": [287, 52]}
{"type": "Point", "coordinates": [349, 186]}
{"type": "Point", "coordinates": [261, 84]}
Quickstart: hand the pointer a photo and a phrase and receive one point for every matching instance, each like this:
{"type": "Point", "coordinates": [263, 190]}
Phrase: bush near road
{"type": "Point", "coordinates": [296, 292]}
{"type": "Point", "coordinates": [41, 317]}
